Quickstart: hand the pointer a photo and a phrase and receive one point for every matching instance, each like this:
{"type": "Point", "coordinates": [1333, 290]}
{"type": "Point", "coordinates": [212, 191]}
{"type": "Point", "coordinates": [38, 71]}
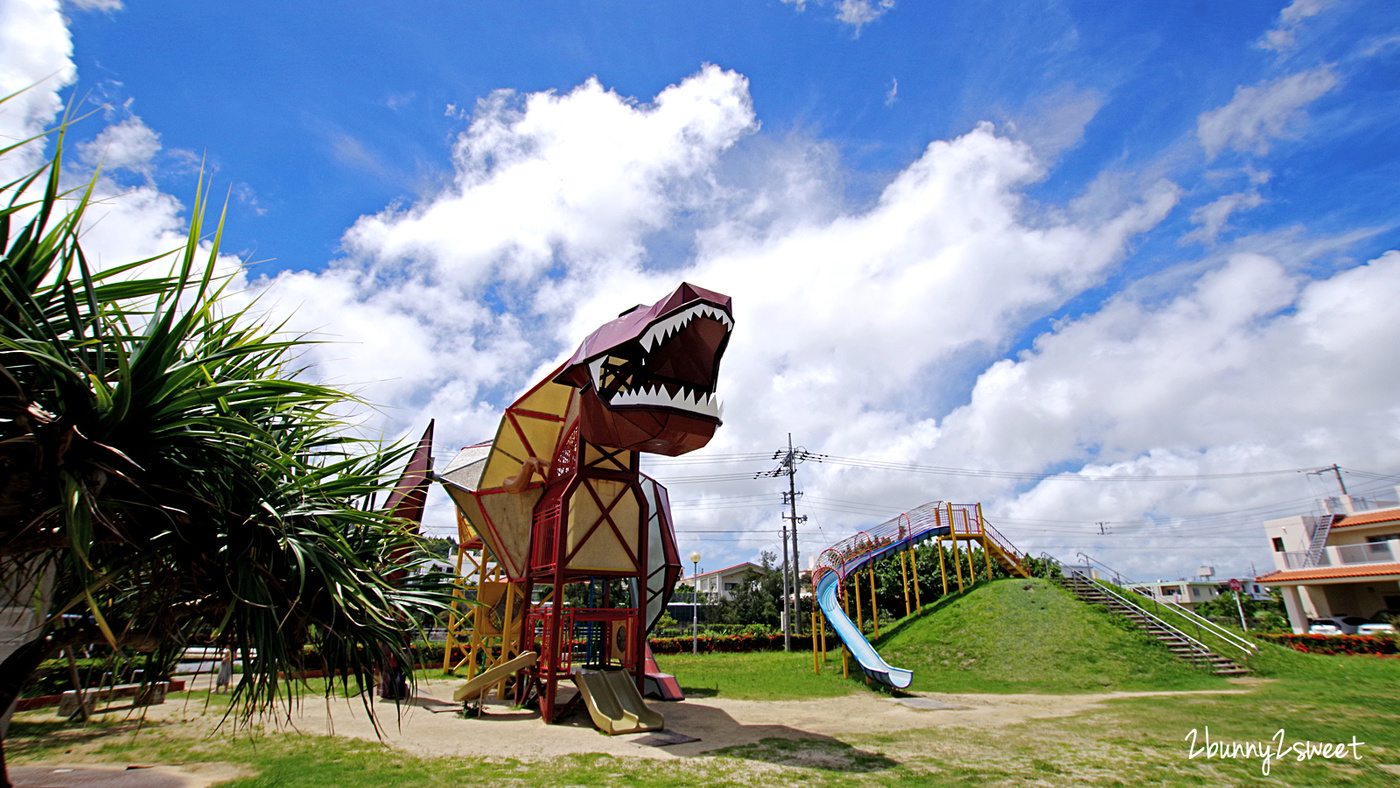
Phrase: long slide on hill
{"type": "Point", "coordinates": [932, 520]}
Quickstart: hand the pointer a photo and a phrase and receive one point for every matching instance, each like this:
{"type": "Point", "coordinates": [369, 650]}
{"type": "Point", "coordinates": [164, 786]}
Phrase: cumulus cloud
{"type": "Point", "coordinates": [447, 307]}
{"type": "Point", "coordinates": [874, 332]}
{"type": "Point", "coordinates": [128, 145]}
{"type": "Point", "coordinates": [859, 13]}
{"type": "Point", "coordinates": [1213, 217]}
{"type": "Point", "coordinates": [1282, 36]}
{"type": "Point", "coordinates": [36, 64]}
{"type": "Point", "coordinates": [1259, 114]}
{"type": "Point", "coordinates": [1224, 377]}
{"type": "Point", "coordinates": [573, 179]}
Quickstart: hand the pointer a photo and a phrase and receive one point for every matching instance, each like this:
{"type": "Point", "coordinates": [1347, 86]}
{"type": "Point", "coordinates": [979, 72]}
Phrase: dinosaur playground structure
{"type": "Point", "coordinates": [843, 561]}
{"type": "Point", "coordinates": [555, 508]}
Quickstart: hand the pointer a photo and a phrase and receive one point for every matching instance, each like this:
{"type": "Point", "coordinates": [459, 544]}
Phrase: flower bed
{"type": "Point", "coordinates": [729, 643]}
{"type": "Point", "coordinates": [1334, 644]}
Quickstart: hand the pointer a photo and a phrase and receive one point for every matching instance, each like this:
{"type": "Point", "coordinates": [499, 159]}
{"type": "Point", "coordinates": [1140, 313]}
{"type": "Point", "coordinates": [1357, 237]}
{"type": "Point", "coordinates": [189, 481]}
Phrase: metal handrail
{"type": "Point", "coordinates": [1203, 648]}
{"type": "Point", "coordinates": [1003, 543]}
{"type": "Point", "coordinates": [1116, 574]}
{"type": "Point", "coordinates": [1198, 619]}
{"type": "Point", "coordinates": [1195, 618]}
{"type": "Point", "coordinates": [905, 530]}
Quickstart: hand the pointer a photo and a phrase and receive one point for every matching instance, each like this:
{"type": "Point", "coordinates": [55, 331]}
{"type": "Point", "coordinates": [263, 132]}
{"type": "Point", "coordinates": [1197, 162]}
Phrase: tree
{"type": "Point", "coordinates": [756, 598]}
{"type": "Point", "coordinates": [165, 472]}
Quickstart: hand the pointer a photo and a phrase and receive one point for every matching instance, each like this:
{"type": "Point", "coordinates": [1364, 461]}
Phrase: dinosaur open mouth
{"type": "Point", "coordinates": [672, 365]}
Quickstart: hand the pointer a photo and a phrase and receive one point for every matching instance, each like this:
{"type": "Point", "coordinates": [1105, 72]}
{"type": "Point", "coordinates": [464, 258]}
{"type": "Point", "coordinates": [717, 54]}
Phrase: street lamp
{"type": "Point", "coordinates": [695, 602]}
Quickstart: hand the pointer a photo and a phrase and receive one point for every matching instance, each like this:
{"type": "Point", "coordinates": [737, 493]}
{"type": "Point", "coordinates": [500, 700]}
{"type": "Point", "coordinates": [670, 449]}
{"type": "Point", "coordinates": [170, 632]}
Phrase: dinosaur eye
{"type": "Point", "coordinates": [616, 374]}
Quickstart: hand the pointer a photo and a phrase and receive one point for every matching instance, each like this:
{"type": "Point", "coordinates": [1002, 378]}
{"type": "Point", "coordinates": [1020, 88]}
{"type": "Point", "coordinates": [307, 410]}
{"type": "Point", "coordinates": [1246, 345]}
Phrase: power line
{"type": "Point", "coordinates": [1031, 476]}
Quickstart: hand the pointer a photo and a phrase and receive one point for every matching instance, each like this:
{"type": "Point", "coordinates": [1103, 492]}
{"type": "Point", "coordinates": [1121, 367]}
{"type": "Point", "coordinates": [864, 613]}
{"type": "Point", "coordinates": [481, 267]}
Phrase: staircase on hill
{"type": "Point", "coordinates": [1179, 643]}
{"type": "Point", "coordinates": [1003, 553]}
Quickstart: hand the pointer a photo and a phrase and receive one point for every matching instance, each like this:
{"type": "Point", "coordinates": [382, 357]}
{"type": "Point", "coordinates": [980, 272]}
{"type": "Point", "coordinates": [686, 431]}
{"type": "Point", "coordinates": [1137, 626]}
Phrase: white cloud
{"type": "Point", "coordinates": [96, 5]}
{"type": "Point", "coordinates": [36, 58]}
{"type": "Point", "coordinates": [1283, 34]}
{"type": "Point", "coordinates": [800, 4]}
{"type": "Point", "coordinates": [859, 13]}
{"type": "Point", "coordinates": [128, 145]}
{"type": "Point", "coordinates": [1213, 216]}
{"type": "Point", "coordinates": [1055, 122]}
{"type": "Point", "coordinates": [1251, 369]}
{"type": "Point", "coordinates": [1261, 113]}
{"type": "Point", "coordinates": [892, 95]}
{"type": "Point", "coordinates": [847, 319]}
{"type": "Point", "coordinates": [554, 200]}
{"type": "Point", "coordinates": [574, 179]}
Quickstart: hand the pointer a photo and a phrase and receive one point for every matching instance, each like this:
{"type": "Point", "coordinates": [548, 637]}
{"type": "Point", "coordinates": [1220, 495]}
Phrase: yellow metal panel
{"type": "Point", "coordinates": [511, 516]}
{"type": "Point", "coordinates": [602, 551]}
{"type": "Point", "coordinates": [507, 457]}
{"type": "Point", "coordinates": [594, 457]}
{"type": "Point", "coordinates": [551, 398]}
{"type": "Point", "coordinates": [542, 434]}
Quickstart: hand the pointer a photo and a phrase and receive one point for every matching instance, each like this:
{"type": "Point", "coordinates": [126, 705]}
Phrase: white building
{"type": "Point", "coordinates": [720, 584]}
{"type": "Point", "coordinates": [1342, 561]}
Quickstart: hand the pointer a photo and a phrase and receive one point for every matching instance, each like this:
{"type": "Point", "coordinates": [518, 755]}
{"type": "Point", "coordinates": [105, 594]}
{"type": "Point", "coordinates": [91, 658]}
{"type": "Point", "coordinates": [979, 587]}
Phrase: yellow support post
{"type": "Point", "coordinates": [454, 619]}
{"type": "Point", "coordinates": [914, 564]}
{"type": "Point", "coordinates": [874, 609]}
{"type": "Point", "coordinates": [904, 573]}
{"type": "Point", "coordinates": [986, 546]}
{"type": "Point", "coordinates": [943, 566]}
{"type": "Point", "coordinates": [855, 587]}
{"type": "Point", "coordinates": [815, 667]}
{"type": "Point", "coordinates": [957, 562]}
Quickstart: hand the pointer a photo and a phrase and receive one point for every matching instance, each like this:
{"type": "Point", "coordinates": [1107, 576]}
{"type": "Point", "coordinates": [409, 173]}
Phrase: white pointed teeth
{"type": "Point", "coordinates": [656, 396]}
{"type": "Point", "coordinates": [595, 368]}
{"type": "Point", "coordinates": [668, 327]}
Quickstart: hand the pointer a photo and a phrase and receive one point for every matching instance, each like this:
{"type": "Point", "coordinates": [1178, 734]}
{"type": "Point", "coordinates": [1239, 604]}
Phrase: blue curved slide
{"type": "Point", "coordinates": [865, 654]}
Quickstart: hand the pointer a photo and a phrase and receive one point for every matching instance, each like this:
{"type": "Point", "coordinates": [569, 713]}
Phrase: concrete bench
{"type": "Point", "coordinates": [153, 694]}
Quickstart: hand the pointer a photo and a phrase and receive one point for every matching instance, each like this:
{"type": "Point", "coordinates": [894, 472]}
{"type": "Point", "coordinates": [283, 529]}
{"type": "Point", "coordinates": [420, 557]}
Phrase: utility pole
{"type": "Point", "coordinates": [787, 612]}
{"type": "Point", "coordinates": [790, 461]}
{"type": "Point", "coordinates": [1340, 483]}
{"type": "Point", "coordinates": [790, 457]}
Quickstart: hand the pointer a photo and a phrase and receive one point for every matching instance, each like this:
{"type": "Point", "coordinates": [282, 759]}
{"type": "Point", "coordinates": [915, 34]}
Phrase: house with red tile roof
{"type": "Point", "coordinates": [1342, 561]}
{"type": "Point", "coordinates": [719, 585]}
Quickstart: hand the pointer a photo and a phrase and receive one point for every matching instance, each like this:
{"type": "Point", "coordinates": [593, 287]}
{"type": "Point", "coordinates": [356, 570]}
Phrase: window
{"type": "Point", "coordinates": [1278, 544]}
{"type": "Point", "coordinates": [1195, 592]}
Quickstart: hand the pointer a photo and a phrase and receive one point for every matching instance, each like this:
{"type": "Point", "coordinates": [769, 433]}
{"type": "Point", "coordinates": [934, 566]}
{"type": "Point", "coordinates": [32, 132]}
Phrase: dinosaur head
{"type": "Point", "coordinates": [647, 379]}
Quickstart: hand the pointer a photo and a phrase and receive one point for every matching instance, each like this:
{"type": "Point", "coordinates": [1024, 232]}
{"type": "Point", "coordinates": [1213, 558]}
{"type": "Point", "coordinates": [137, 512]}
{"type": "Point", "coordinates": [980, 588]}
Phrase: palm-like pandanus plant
{"type": "Point", "coordinates": [167, 476]}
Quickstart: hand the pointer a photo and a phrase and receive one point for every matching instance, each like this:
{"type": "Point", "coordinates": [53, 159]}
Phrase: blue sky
{"type": "Point", "coordinates": [1065, 239]}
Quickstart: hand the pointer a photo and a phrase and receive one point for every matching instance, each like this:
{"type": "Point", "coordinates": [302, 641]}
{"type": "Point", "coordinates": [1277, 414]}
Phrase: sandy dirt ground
{"type": "Point", "coordinates": [430, 725]}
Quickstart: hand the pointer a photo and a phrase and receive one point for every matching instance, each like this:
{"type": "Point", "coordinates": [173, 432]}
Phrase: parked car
{"type": "Point", "coordinates": [1325, 626]}
{"type": "Point", "coordinates": [1347, 625]}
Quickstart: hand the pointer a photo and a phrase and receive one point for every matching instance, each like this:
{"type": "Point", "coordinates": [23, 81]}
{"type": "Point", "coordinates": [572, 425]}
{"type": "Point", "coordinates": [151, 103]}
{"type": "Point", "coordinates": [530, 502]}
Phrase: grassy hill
{"type": "Point", "coordinates": [1031, 636]}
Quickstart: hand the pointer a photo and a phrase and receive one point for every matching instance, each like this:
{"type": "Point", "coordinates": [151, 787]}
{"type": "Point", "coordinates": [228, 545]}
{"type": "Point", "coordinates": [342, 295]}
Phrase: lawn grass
{"type": "Point", "coordinates": [762, 675]}
{"type": "Point", "coordinates": [1031, 636]}
{"type": "Point", "coordinates": [1133, 741]}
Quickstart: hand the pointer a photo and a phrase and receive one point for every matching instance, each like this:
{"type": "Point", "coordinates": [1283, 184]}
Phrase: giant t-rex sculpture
{"type": "Point", "coordinates": [558, 497]}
